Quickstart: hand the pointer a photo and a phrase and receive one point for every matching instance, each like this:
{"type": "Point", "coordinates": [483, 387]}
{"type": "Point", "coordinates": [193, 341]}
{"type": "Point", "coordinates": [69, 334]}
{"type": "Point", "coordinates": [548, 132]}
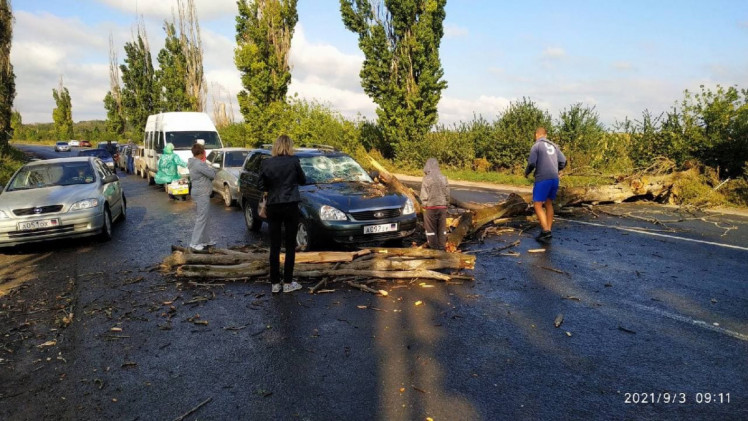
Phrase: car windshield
{"type": "Point", "coordinates": [235, 158]}
{"type": "Point", "coordinates": [185, 140]}
{"type": "Point", "coordinates": [332, 169]}
{"type": "Point", "coordinates": [47, 175]}
{"type": "Point", "coordinates": [62, 143]}
{"type": "Point", "coordinates": [99, 153]}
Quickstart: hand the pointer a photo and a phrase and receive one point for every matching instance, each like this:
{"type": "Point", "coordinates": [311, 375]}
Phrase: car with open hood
{"type": "Point", "coordinates": [228, 163]}
{"type": "Point", "coordinates": [57, 198]}
{"type": "Point", "coordinates": [340, 202]}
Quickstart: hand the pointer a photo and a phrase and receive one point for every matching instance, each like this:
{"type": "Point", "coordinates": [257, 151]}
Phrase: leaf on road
{"type": "Point", "coordinates": [418, 303]}
{"type": "Point", "coordinates": [383, 293]}
{"type": "Point", "coordinates": [623, 329]}
{"type": "Point", "coordinates": [48, 343]}
{"type": "Point", "coordinates": [568, 333]}
{"type": "Point", "coordinates": [536, 251]}
{"type": "Point", "coordinates": [559, 320]}
{"type": "Point", "coordinates": [116, 329]}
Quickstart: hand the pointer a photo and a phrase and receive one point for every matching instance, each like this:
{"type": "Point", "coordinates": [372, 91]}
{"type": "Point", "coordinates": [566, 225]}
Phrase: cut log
{"type": "Point", "coordinates": [179, 258]}
{"type": "Point", "coordinates": [415, 274]}
{"type": "Point", "coordinates": [243, 270]}
{"type": "Point", "coordinates": [390, 180]}
{"type": "Point", "coordinates": [325, 256]}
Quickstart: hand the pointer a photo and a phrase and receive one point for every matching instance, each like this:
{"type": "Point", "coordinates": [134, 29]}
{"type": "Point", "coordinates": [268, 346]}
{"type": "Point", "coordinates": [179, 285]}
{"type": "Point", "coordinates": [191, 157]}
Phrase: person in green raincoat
{"type": "Point", "coordinates": [168, 166]}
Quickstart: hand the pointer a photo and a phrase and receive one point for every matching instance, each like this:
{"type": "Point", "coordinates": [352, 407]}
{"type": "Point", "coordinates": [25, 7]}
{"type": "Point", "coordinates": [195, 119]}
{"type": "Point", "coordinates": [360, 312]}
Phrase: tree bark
{"type": "Point", "coordinates": [390, 180]}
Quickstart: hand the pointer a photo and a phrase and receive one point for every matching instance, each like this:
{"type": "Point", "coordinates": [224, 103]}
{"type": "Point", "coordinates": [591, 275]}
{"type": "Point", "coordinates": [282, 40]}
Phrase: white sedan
{"type": "Point", "coordinates": [56, 198]}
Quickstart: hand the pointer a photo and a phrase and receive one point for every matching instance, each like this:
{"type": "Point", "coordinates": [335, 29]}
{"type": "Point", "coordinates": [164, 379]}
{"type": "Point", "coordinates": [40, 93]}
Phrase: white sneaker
{"type": "Point", "coordinates": [293, 286]}
{"type": "Point", "coordinates": [276, 288]}
{"type": "Point", "coordinates": [210, 243]}
{"type": "Point", "coordinates": [197, 247]}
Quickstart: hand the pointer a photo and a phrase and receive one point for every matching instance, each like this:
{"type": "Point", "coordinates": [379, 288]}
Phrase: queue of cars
{"type": "Point", "coordinates": [80, 196]}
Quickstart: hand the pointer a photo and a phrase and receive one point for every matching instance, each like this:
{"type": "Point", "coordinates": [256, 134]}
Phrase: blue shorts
{"type": "Point", "coordinates": [544, 190]}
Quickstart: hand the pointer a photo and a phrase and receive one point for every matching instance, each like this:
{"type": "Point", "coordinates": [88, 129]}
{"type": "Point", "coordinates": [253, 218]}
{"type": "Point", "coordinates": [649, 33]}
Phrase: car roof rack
{"type": "Point", "coordinates": [325, 147]}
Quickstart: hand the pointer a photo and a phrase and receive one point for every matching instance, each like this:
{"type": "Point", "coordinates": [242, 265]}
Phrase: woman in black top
{"type": "Point", "coordinates": [280, 177]}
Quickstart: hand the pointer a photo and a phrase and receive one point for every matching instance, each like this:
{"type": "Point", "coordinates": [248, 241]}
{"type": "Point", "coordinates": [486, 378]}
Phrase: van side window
{"type": "Point", "coordinates": [159, 143]}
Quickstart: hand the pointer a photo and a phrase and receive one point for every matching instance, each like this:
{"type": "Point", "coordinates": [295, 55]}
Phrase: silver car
{"type": "Point", "coordinates": [66, 197]}
{"type": "Point", "coordinates": [62, 147]}
{"type": "Point", "coordinates": [228, 163]}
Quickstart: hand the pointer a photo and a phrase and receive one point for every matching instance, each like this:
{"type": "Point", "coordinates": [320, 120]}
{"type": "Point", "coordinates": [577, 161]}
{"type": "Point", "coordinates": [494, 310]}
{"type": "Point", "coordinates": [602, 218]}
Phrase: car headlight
{"type": "Point", "coordinates": [328, 213]}
{"type": "Point", "coordinates": [409, 209]}
{"type": "Point", "coordinates": [85, 204]}
{"type": "Point", "coordinates": [3, 215]}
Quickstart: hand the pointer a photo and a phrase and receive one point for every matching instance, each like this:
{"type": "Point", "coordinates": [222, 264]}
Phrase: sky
{"type": "Point", "coordinates": [620, 56]}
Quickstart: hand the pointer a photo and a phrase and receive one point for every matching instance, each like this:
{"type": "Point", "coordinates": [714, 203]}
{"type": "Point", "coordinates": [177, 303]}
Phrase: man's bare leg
{"type": "Point", "coordinates": [549, 213]}
{"type": "Point", "coordinates": [542, 215]}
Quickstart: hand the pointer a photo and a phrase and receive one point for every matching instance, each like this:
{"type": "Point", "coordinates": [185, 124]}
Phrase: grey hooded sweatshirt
{"type": "Point", "coordinates": [201, 176]}
{"type": "Point", "coordinates": [434, 188]}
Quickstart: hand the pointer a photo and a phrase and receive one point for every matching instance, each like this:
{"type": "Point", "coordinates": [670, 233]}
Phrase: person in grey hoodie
{"type": "Point", "coordinates": [435, 199]}
{"type": "Point", "coordinates": [201, 176]}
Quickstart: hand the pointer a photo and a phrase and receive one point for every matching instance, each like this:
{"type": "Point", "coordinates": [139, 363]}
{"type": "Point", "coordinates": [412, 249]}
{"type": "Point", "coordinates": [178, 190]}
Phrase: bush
{"type": "Point", "coordinates": [481, 165]}
{"type": "Point", "coordinates": [11, 159]}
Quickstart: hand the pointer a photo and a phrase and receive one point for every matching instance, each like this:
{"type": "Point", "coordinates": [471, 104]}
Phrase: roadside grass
{"type": "Point", "coordinates": [11, 159]}
{"type": "Point", "coordinates": [34, 142]}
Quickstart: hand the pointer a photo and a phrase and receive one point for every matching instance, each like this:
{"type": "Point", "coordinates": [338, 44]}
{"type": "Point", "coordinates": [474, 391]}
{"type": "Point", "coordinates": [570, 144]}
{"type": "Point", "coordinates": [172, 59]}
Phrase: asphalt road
{"type": "Point", "coordinates": [648, 309]}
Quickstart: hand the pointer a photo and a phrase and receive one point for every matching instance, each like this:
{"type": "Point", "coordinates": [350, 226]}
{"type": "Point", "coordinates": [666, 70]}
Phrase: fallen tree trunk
{"type": "Point", "coordinates": [472, 221]}
{"type": "Point", "coordinates": [658, 188]}
{"type": "Point", "coordinates": [390, 180]}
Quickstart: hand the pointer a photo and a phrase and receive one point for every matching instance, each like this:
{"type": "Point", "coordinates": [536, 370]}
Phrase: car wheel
{"type": "Point", "coordinates": [303, 237]}
{"type": "Point", "coordinates": [251, 219]}
{"type": "Point", "coordinates": [227, 200]}
{"type": "Point", "coordinates": [106, 230]}
{"type": "Point", "coordinates": [123, 214]}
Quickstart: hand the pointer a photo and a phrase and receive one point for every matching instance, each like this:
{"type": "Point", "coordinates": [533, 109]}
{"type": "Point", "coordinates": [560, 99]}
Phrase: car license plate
{"type": "Point", "coordinates": [35, 225]}
{"type": "Point", "coordinates": [376, 229]}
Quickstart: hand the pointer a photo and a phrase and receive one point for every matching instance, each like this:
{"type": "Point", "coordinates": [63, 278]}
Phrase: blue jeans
{"type": "Point", "coordinates": [130, 165]}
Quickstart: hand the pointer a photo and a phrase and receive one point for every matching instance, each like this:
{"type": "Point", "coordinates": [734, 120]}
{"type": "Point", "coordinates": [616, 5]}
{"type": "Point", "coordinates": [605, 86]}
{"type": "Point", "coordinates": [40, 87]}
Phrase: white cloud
{"type": "Point", "coordinates": [162, 9]}
{"type": "Point", "coordinates": [454, 31]}
{"type": "Point", "coordinates": [453, 110]}
{"type": "Point", "coordinates": [554, 53]}
{"type": "Point", "coordinates": [623, 65]}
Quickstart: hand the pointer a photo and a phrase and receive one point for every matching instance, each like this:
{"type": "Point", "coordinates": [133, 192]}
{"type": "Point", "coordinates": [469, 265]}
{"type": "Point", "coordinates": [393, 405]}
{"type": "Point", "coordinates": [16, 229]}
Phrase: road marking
{"type": "Point", "coordinates": [655, 234]}
{"type": "Point", "coordinates": [700, 323]}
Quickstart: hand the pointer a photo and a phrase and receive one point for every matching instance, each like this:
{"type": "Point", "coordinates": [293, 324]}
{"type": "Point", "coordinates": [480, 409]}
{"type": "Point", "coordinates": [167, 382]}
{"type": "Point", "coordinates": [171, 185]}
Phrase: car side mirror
{"type": "Point", "coordinates": [216, 165]}
{"type": "Point", "coordinates": [111, 178]}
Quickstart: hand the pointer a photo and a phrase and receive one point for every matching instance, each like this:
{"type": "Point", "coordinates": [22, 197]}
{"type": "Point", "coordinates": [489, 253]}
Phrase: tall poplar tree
{"type": "Point", "coordinates": [180, 77]}
{"type": "Point", "coordinates": [139, 97]}
{"type": "Point", "coordinates": [62, 115]}
{"type": "Point", "coordinates": [171, 75]}
{"type": "Point", "coordinates": [402, 71]}
{"type": "Point", "coordinates": [113, 100]}
{"type": "Point", "coordinates": [264, 29]}
{"type": "Point", "coordinates": [7, 77]}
